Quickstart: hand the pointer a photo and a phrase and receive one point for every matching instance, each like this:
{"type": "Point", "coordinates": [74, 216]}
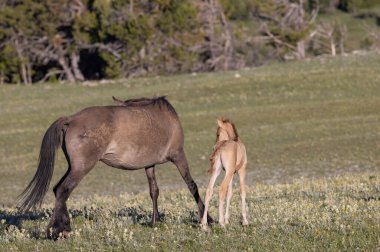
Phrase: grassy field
{"type": "Point", "coordinates": [312, 131]}
{"type": "Point", "coordinates": [321, 215]}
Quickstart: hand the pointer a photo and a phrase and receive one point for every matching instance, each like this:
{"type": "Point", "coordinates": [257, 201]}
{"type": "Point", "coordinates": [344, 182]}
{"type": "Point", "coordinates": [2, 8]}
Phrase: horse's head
{"type": "Point", "coordinates": [226, 130]}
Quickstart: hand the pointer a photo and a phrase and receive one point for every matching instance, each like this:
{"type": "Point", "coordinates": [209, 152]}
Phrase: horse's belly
{"type": "Point", "coordinates": [133, 157]}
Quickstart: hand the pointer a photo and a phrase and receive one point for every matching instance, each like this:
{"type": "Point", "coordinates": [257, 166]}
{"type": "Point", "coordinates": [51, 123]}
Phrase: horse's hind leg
{"type": "Point", "coordinates": [223, 191]}
{"type": "Point", "coordinates": [216, 171]}
{"type": "Point", "coordinates": [229, 196]}
{"type": "Point", "coordinates": [242, 174]}
{"type": "Point", "coordinates": [78, 168]}
{"type": "Point", "coordinates": [180, 161]}
{"type": "Point", "coordinates": [153, 192]}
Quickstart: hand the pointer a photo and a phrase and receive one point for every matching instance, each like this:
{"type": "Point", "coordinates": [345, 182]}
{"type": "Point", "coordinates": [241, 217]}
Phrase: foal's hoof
{"type": "Point", "coordinates": [204, 226]}
{"type": "Point", "coordinates": [245, 223]}
{"type": "Point", "coordinates": [222, 224]}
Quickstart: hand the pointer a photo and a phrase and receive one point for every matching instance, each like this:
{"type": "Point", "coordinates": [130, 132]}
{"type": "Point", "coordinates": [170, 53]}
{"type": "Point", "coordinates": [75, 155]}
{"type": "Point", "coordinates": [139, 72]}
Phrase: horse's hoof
{"type": "Point", "coordinates": [245, 223]}
{"type": "Point", "coordinates": [52, 234]}
{"type": "Point", "coordinates": [57, 233]}
{"type": "Point", "coordinates": [65, 234]}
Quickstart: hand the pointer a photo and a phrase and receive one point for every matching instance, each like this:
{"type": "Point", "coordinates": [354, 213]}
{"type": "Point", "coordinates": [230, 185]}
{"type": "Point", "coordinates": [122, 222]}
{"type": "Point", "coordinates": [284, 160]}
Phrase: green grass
{"type": "Point", "coordinates": [302, 123]}
{"type": "Point", "coordinates": [329, 214]}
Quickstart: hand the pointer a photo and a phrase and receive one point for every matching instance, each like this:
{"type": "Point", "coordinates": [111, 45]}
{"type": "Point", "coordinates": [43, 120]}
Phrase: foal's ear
{"type": "Point", "coordinates": [120, 102]}
{"type": "Point", "coordinates": [220, 123]}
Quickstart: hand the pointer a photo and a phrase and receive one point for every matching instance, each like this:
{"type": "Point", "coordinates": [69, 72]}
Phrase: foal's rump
{"type": "Point", "coordinates": [229, 152]}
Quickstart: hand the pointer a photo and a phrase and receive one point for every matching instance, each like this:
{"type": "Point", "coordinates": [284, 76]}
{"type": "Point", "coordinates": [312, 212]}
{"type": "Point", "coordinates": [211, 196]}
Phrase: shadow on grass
{"type": "Point", "coordinates": [16, 218]}
{"type": "Point", "coordinates": [131, 215]}
{"type": "Point", "coordinates": [140, 216]}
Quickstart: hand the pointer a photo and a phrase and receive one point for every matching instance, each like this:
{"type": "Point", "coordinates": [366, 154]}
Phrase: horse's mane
{"type": "Point", "coordinates": [235, 136]}
{"type": "Point", "coordinates": [160, 101]}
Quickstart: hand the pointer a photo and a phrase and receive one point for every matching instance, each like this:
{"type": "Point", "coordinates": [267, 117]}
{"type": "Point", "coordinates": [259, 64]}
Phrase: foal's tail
{"type": "Point", "coordinates": [37, 188]}
{"type": "Point", "coordinates": [215, 156]}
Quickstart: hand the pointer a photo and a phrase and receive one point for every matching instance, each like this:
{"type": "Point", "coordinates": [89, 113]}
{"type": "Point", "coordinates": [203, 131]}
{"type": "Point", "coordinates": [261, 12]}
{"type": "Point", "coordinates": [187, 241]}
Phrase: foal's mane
{"type": "Point", "coordinates": [234, 134]}
{"type": "Point", "coordinates": [160, 101]}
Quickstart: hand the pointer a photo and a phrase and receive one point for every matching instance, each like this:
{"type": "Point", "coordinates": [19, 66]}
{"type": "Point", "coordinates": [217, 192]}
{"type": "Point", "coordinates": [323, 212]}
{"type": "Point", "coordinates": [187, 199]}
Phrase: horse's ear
{"type": "Point", "coordinates": [220, 123]}
{"type": "Point", "coordinates": [120, 102]}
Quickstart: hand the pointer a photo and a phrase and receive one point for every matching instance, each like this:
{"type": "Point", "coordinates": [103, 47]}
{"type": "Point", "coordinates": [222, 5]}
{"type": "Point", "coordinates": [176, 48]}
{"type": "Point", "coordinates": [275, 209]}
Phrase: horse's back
{"type": "Point", "coordinates": [126, 137]}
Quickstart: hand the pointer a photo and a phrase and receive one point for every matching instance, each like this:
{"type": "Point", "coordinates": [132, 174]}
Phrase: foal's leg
{"type": "Point", "coordinates": [223, 191]}
{"type": "Point", "coordinates": [229, 196]}
{"type": "Point", "coordinates": [228, 158]}
{"type": "Point", "coordinates": [216, 171]}
{"type": "Point", "coordinates": [179, 159]}
{"type": "Point", "coordinates": [242, 173]}
{"type": "Point", "coordinates": [153, 192]}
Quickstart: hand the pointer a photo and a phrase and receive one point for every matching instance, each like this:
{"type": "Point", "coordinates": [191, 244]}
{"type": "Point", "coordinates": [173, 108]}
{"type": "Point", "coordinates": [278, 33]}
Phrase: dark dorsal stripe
{"type": "Point", "coordinates": [160, 101]}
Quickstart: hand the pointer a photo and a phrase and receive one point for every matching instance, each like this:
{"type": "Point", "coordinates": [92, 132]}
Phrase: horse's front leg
{"type": "Point", "coordinates": [154, 192]}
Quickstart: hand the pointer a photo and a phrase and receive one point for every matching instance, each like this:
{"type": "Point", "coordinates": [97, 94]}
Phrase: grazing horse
{"type": "Point", "coordinates": [138, 133]}
{"type": "Point", "coordinates": [229, 154]}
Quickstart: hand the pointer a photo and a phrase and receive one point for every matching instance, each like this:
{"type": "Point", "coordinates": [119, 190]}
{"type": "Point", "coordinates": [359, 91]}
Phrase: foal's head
{"type": "Point", "coordinates": [226, 130]}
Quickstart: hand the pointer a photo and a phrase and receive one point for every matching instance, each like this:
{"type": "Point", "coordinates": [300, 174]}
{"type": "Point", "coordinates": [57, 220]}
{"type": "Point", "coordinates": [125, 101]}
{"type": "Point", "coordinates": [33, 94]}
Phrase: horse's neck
{"type": "Point", "coordinates": [219, 143]}
{"type": "Point", "coordinates": [221, 139]}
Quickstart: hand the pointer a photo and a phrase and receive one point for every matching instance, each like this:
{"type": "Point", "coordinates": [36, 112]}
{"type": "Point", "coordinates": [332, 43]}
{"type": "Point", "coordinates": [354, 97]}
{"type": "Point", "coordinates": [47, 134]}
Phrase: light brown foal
{"type": "Point", "coordinates": [229, 154]}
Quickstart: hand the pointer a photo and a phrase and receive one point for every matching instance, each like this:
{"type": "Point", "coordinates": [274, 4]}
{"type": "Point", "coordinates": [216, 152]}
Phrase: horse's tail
{"type": "Point", "coordinates": [37, 188]}
{"type": "Point", "coordinates": [215, 156]}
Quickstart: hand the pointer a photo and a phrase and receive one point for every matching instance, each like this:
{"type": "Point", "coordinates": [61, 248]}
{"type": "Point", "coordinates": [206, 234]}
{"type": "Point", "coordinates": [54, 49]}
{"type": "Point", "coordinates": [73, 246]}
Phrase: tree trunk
{"type": "Point", "coordinates": [131, 7]}
{"type": "Point", "coordinates": [69, 75]}
{"type": "Point", "coordinates": [228, 40]}
{"type": "Point", "coordinates": [209, 28]}
{"type": "Point", "coordinates": [342, 37]}
{"type": "Point", "coordinates": [64, 64]}
{"type": "Point", "coordinates": [29, 72]}
{"type": "Point", "coordinates": [23, 73]}
{"type": "Point", "coordinates": [333, 5]}
{"type": "Point", "coordinates": [301, 49]}
{"type": "Point", "coordinates": [74, 64]}
{"type": "Point", "coordinates": [332, 46]}
{"type": "Point", "coordinates": [23, 70]}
